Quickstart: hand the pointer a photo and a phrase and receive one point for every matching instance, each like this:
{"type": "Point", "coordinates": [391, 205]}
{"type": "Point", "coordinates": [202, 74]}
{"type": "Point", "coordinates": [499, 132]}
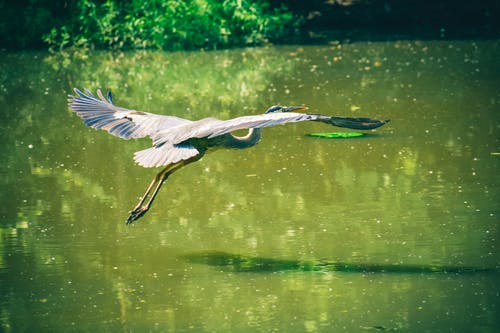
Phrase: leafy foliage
{"type": "Point", "coordinates": [171, 25]}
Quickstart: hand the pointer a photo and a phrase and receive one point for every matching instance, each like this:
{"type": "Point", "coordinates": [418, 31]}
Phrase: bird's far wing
{"type": "Point", "coordinates": [277, 118]}
{"type": "Point", "coordinates": [259, 121]}
{"type": "Point", "coordinates": [164, 154]}
{"type": "Point", "coordinates": [101, 113]}
{"type": "Point", "coordinates": [211, 127]}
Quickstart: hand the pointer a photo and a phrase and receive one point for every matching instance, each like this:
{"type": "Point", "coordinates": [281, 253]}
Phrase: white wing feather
{"type": "Point", "coordinates": [164, 155]}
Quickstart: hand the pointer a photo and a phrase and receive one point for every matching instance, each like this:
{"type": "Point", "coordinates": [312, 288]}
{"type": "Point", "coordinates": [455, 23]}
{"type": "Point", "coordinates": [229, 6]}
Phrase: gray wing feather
{"type": "Point", "coordinates": [101, 113]}
{"type": "Point", "coordinates": [164, 155]}
{"type": "Point", "coordinates": [210, 127]}
{"type": "Point", "coordinates": [260, 121]}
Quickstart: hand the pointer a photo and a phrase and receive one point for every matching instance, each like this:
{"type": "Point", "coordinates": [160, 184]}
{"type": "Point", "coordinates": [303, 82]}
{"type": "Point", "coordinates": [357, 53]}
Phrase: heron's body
{"type": "Point", "coordinates": [178, 141]}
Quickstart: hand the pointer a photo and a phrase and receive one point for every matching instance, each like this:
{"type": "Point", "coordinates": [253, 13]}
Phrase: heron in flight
{"type": "Point", "coordinates": [178, 142]}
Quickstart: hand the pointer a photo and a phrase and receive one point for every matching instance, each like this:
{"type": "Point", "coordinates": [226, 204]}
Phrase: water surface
{"type": "Point", "coordinates": [422, 191]}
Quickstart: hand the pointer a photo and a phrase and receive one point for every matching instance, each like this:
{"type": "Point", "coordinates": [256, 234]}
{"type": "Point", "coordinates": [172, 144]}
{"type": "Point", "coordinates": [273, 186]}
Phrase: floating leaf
{"type": "Point", "coordinates": [337, 135]}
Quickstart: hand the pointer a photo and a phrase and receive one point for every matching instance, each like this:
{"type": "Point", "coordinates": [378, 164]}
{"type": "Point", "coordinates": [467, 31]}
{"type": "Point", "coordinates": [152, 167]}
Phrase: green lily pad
{"type": "Point", "coordinates": [337, 135]}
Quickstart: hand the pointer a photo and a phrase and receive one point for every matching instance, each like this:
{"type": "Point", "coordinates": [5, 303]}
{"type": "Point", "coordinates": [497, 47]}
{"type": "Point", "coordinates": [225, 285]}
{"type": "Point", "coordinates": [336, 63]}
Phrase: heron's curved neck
{"type": "Point", "coordinates": [249, 140]}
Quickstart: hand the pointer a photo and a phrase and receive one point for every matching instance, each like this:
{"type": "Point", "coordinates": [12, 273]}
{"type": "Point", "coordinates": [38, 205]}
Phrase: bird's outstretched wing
{"type": "Point", "coordinates": [278, 118]}
{"type": "Point", "coordinates": [210, 127]}
{"type": "Point", "coordinates": [101, 113]}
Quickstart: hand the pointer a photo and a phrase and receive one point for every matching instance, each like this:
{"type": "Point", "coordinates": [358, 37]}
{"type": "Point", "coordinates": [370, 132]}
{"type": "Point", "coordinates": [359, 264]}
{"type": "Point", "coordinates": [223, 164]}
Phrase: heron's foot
{"type": "Point", "coordinates": [136, 214]}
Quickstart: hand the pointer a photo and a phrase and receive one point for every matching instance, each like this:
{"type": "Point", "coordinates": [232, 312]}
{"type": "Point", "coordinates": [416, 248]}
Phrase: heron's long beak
{"type": "Point", "coordinates": [295, 108]}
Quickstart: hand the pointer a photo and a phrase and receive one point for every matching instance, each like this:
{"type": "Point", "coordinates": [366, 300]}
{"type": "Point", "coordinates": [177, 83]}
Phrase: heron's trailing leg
{"type": "Point", "coordinates": [157, 182]}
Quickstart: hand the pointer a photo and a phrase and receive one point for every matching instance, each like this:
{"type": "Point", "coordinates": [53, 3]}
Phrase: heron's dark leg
{"type": "Point", "coordinates": [141, 208]}
{"type": "Point", "coordinates": [146, 194]}
{"type": "Point", "coordinates": [162, 179]}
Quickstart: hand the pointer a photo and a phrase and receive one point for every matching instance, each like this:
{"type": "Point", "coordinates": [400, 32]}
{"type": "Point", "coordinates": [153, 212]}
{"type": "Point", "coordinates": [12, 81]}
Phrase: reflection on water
{"type": "Point", "coordinates": [422, 191]}
{"type": "Point", "coordinates": [239, 263]}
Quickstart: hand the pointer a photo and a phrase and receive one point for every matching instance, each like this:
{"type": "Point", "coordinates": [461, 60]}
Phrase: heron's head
{"type": "Point", "coordinates": [282, 108]}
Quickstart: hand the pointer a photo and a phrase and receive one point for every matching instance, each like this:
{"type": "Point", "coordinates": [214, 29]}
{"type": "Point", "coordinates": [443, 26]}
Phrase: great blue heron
{"type": "Point", "coordinates": [178, 142]}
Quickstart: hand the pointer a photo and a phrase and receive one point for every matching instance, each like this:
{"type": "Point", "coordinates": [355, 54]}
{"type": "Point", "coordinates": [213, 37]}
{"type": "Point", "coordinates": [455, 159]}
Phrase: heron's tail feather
{"type": "Point", "coordinates": [165, 154]}
{"type": "Point", "coordinates": [354, 123]}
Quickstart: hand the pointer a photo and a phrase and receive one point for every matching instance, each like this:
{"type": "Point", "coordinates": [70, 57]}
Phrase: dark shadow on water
{"type": "Point", "coordinates": [240, 263]}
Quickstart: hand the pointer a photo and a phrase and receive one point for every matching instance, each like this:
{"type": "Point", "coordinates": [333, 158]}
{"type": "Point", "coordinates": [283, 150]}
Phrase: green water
{"type": "Point", "coordinates": [422, 191]}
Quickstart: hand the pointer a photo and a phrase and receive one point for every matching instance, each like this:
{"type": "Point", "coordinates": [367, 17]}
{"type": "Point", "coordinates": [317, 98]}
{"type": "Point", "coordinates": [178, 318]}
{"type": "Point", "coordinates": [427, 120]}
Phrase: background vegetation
{"type": "Point", "coordinates": [169, 25]}
{"type": "Point", "coordinates": [210, 24]}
